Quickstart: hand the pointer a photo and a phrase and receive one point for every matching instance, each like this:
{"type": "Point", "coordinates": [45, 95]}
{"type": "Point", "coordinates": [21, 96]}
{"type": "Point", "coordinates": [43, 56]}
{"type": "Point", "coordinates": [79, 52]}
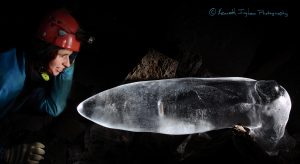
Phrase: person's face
{"type": "Point", "coordinates": [60, 62]}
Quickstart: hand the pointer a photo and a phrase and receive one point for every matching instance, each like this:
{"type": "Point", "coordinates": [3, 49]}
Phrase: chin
{"type": "Point", "coordinates": [54, 73]}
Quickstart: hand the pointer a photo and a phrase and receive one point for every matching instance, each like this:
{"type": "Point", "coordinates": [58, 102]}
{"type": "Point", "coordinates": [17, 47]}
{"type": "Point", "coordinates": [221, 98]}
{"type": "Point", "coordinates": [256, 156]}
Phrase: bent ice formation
{"type": "Point", "coordinates": [194, 105]}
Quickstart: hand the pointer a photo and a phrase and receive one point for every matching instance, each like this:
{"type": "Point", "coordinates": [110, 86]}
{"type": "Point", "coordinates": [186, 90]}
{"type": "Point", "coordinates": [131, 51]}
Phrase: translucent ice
{"type": "Point", "coordinates": [194, 105]}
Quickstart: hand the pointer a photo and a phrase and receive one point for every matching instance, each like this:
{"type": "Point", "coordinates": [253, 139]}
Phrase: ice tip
{"type": "Point", "coordinates": [87, 107]}
{"type": "Point", "coordinates": [79, 108]}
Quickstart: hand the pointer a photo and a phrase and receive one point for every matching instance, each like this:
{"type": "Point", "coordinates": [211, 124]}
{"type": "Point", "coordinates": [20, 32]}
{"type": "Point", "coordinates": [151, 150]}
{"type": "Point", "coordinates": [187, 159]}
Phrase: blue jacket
{"type": "Point", "coordinates": [47, 97]}
{"type": "Point", "coordinates": [24, 90]}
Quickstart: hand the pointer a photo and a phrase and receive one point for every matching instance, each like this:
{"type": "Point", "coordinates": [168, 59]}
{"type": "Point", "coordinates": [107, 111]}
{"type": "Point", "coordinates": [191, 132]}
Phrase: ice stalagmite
{"type": "Point", "coordinates": [194, 105]}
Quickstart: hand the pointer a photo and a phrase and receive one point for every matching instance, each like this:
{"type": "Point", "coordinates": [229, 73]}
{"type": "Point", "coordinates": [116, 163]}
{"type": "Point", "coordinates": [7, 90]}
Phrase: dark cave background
{"type": "Point", "coordinates": [258, 47]}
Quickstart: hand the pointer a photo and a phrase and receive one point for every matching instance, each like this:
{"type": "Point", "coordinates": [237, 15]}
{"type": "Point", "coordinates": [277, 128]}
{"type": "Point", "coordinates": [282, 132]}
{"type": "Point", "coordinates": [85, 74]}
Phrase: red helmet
{"type": "Point", "coordinates": [59, 28]}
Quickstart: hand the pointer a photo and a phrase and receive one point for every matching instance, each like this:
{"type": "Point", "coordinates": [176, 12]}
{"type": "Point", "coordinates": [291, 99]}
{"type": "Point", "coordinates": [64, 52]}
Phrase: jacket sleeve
{"type": "Point", "coordinates": [12, 77]}
{"type": "Point", "coordinates": [53, 99]}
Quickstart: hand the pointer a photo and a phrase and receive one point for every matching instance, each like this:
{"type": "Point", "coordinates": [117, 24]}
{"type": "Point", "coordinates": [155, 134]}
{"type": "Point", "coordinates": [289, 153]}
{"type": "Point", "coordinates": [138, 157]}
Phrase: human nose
{"type": "Point", "coordinates": [66, 62]}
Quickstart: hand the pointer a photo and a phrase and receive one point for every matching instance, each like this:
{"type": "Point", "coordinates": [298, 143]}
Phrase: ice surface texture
{"type": "Point", "coordinates": [194, 105]}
